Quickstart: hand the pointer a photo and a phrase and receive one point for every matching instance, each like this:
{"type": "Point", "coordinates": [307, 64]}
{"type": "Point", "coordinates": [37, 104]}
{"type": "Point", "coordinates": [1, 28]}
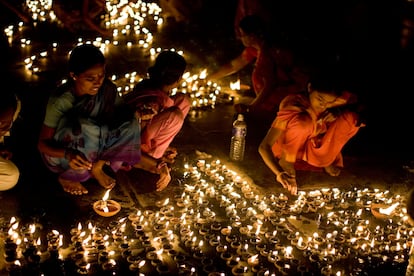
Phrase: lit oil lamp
{"type": "Point", "coordinates": [382, 211]}
{"type": "Point", "coordinates": [106, 207]}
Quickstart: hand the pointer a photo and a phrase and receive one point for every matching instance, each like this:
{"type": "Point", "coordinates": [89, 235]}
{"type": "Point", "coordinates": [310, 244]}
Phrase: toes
{"type": "Point", "coordinates": [333, 170]}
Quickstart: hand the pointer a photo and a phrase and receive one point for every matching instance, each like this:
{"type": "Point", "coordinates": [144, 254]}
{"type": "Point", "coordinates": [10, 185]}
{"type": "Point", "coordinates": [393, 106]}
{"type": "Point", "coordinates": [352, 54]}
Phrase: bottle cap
{"type": "Point", "coordinates": [240, 117]}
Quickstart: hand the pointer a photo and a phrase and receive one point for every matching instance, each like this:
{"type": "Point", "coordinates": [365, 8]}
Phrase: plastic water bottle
{"type": "Point", "coordinates": [238, 139]}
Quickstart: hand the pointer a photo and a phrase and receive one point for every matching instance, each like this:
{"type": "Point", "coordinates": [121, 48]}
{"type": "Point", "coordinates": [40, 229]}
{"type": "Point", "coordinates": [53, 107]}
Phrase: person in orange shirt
{"type": "Point", "coordinates": [313, 127]}
{"type": "Point", "coordinates": [276, 73]}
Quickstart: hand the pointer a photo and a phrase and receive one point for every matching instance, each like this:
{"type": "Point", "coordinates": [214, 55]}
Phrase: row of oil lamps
{"type": "Point", "coordinates": [217, 215]}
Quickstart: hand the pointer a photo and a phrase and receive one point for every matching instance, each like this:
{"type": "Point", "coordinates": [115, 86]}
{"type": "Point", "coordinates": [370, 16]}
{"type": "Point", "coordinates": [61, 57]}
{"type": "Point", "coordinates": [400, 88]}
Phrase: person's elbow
{"type": "Point", "coordinates": [263, 148]}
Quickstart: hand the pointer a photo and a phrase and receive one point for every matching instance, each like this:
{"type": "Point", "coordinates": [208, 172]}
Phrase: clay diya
{"type": "Point", "coordinates": [106, 207]}
{"type": "Point", "coordinates": [383, 211]}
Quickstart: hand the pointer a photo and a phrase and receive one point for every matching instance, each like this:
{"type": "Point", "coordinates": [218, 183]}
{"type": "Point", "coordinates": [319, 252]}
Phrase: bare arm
{"type": "Point", "coordinates": [284, 175]}
{"type": "Point", "coordinates": [77, 160]}
{"type": "Point", "coordinates": [265, 150]}
{"type": "Point", "coordinates": [45, 146]}
{"type": "Point", "coordinates": [228, 69]}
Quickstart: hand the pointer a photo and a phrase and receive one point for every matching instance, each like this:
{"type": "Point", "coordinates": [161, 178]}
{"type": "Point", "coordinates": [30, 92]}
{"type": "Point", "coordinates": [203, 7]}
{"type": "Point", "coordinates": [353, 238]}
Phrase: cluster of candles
{"type": "Point", "coordinates": [203, 94]}
{"type": "Point", "coordinates": [215, 221]}
{"type": "Point", "coordinates": [133, 24]}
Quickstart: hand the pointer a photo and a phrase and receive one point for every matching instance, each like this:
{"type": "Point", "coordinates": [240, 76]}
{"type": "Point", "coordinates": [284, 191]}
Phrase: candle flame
{"type": "Point", "coordinates": [106, 196]}
{"type": "Point", "coordinates": [203, 74]}
{"type": "Point", "coordinates": [235, 85]}
{"type": "Point", "coordinates": [389, 210]}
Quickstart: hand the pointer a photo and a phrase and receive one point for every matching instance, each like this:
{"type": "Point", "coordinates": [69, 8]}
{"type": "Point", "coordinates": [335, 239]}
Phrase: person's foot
{"type": "Point", "coordinates": [103, 179]}
{"type": "Point", "coordinates": [72, 187]}
{"type": "Point", "coordinates": [333, 170]}
{"type": "Point", "coordinates": [169, 155]}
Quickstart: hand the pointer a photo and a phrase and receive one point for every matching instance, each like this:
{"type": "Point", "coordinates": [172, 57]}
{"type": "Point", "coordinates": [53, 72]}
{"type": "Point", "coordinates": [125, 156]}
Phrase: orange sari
{"type": "Point", "coordinates": [309, 138]}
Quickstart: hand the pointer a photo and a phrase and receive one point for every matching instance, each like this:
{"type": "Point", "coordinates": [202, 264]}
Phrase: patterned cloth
{"type": "Point", "coordinates": [99, 126]}
{"type": "Point", "coordinates": [309, 138]}
{"type": "Point", "coordinates": [160, 131]}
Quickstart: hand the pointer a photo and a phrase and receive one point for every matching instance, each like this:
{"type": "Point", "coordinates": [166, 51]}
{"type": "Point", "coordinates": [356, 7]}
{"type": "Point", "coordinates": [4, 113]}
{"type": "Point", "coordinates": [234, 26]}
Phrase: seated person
{"type": "Point", "coordinates": [88, 131]}
{"type": "Point", "coordinates": [163, 114]}
{"type": "Point", "coordinates": [276, 71]}
{"type": "Point", "coordinates": [9, 110]}
{"type": "Point", "coordinates": [313, 127]}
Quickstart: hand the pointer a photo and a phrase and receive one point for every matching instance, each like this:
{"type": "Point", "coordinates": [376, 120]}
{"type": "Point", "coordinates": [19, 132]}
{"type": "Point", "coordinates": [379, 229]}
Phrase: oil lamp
{"type": "Point", "coordinates": [106, 207]}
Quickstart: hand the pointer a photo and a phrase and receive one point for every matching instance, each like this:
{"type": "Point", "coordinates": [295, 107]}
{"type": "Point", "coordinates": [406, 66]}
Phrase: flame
{"type": "Point", "coordinates": [235, 85]}
{"type": "Point", "coordinates": [203, 74]}
{"type": "Point", "coordinates": [32, 228]}
{"type": "Point", "coordinates": [300, 241]}
{"type": "Point", "coordinates": [389, 210]}
{"type": "Point", "coordinates": [106, 196]}
{"type": "Point", "coordinates": [141, 263]}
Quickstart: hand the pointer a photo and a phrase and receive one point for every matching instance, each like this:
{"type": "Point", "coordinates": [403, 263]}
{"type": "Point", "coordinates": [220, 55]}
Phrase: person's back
{"type": "Point", "coordinates": [9, 110]}
{"type": "Point", "coordinates": [276, 72]}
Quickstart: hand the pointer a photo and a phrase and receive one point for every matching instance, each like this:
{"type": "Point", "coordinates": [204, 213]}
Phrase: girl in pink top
{"type": "Point", "coordinates": [312, 127]}
{"type": "Point", "coordinates": [162, 115]}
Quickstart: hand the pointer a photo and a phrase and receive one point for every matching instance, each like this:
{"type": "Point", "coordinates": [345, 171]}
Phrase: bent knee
{"type": "Point", "coordinates": [349, 117]}
{"type": "Point", "coordinates": [302, 122]}
{"type": "Point", "coordinates": [9, 176]}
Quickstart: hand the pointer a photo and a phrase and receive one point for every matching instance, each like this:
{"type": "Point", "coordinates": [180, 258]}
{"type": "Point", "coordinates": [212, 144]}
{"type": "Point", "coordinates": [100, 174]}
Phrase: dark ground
{"type": "Point", "coordinates": [379, 156]}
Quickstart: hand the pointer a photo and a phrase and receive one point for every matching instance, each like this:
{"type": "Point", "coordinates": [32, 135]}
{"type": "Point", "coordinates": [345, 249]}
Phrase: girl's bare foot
{"type": "Point", "coordinates": [169, 155]}
{"type": "Point", "coordinates": [72, 187]}
{"type": "Point", "coordinates": [104, 180]}
{"type": "Point", "coordinates": [333, 170]}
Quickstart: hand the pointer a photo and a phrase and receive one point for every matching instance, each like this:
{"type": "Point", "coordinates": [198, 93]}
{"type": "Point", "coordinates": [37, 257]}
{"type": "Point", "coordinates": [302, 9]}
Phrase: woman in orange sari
{"type": "Point", "coordinates": [312, 126]}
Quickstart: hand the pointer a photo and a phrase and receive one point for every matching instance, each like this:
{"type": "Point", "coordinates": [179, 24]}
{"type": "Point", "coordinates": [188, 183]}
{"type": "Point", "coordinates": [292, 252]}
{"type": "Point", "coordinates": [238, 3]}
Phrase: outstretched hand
{"type": "Point", "coordinates": [288, 182]}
